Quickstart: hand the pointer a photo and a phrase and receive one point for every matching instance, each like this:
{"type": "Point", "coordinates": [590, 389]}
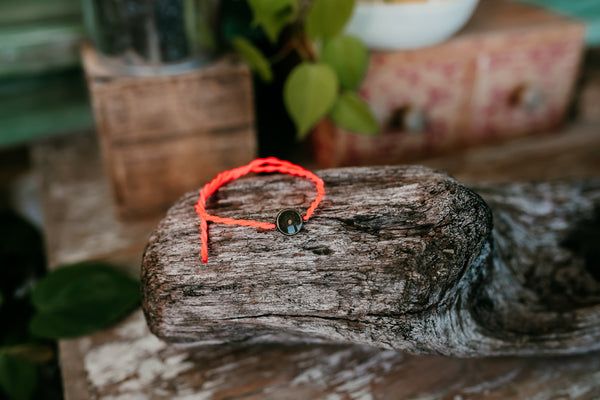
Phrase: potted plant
{"type": "Point", "coordinates": [328, 65]}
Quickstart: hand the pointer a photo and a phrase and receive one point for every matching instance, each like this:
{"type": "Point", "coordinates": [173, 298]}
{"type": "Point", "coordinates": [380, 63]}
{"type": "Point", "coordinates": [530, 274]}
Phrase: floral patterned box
{"type": "Point", "coordinates": [509, 73]}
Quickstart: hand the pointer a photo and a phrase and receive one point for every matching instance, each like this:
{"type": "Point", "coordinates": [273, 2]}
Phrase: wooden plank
{"type": "Point", "coordinates": [570, 153]}
{"type": "Point", "coordinates": [38, 48]}
{"type": "Point", "coordinates": [42, 106]}
{"type": "Point", "coordinates": [19, 12]}
{"type": "Point", "coordinates": [128, 361]}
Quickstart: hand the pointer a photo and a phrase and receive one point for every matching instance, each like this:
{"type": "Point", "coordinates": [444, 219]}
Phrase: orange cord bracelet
{"type": "Point", "coordinates": [270, 164]}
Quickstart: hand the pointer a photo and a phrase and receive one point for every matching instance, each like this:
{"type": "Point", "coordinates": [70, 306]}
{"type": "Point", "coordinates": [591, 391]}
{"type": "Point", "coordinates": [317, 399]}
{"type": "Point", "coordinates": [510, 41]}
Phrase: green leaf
{"type": "Point", "coordinates": [349, 58]}
{"type": "Point", "coordinates": [353, 114]}
{"type": "Point", "coordinates": [64, 325]}
{"type": "Point", "coordinates": [18, 377]}
{"type": "Point", "coordinates": [309, 93]}
{"type": "Point", "coordinates": [79, 299]}
{"type": "Point", "coordinates": [327, 18]}
{"type": "Point", "coordinates": [273, 15]}
{"type": "Point", "coordinates": [254, 58]}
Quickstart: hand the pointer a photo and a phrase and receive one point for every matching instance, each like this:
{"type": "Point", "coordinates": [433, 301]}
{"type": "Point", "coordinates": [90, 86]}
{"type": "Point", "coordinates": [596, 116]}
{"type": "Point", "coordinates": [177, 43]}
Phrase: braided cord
{"type": "Point", "coordinates": [270, 164]}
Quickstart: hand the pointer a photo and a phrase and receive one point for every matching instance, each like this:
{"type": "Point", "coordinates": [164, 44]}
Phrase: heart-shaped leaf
{"type": "Point", "coordinates": [348, 57]}
{"type": "Point", "coordinates": [80, 299]}
{"type": "Point", "coordinates": [18, 377]}
{"type": "Point", "coordinates": [254, 58]}
{"type": "Point", "coordinates": [273, 15]}
{"type": "Point", "coordinates": [353, 114]}
{"type": "Point", "coordinates": [327, 18]}
{"type": "Point", "coordinates": [309, 93]}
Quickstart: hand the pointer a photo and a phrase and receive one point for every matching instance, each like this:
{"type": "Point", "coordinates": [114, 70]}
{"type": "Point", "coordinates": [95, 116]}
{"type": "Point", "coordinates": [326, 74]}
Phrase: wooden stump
{"type": "Point", "coordinates": [395, 257]}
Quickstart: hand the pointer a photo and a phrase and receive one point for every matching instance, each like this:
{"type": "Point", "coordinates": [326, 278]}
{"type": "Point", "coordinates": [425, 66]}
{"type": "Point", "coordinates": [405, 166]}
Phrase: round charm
{"type": "Point", "coordinates": [289, 221]}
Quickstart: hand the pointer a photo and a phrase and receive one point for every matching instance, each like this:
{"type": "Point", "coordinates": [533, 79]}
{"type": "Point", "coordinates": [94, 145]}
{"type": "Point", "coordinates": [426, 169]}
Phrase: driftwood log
{"type": "Point", "coordinates": [395, 257]}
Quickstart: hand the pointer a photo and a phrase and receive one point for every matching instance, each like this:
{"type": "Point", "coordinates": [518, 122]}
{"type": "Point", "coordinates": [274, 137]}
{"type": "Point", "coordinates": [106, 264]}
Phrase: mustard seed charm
{"type": "Point", "coordinates": [289, 221]}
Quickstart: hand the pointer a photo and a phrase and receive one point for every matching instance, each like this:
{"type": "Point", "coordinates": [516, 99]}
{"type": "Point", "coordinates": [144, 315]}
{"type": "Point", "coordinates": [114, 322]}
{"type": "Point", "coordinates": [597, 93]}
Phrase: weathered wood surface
{"type": "Point", "coordinates": [571, 154]}
{"type": "Point", "coordinates": [128, 362]}
{"type": "Point", "coordinates": [395, 257]}
{"type": "Point", "coordinates": [80, 219]}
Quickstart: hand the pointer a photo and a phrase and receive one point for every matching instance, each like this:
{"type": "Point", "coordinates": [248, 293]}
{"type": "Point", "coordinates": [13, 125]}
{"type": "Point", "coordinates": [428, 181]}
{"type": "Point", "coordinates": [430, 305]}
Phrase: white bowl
{"type": "Point", "coordinates": [396, 26]}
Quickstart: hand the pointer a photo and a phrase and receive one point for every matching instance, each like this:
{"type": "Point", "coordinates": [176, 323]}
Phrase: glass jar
{"type": "Point", "coordinates": [145, 37]}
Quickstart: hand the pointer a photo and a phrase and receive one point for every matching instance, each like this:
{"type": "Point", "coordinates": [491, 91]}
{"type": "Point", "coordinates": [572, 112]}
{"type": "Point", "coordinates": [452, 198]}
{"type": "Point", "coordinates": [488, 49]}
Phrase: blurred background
{"type": "Point", "coordinates": [110, 110]}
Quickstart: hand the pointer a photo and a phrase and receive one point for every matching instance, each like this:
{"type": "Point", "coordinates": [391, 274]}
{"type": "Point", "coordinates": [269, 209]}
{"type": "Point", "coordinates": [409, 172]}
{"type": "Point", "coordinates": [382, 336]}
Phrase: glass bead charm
{"type": "Point", "coordinates": [289, 221]}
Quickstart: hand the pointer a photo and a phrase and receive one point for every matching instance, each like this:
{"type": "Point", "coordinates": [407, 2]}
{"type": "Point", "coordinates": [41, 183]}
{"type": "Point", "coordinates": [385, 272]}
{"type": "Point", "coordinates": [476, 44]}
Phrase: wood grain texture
{"type": "Point", "coordinates": [395, 257]}
{"type": "Point", "coordinates": [127, 361]}
{"type": "Point", "coordinates": [570, 154]}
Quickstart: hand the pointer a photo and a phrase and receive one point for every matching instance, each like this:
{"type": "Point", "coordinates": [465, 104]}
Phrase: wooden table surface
{"type": "Point", "coordinates": [126, 362]}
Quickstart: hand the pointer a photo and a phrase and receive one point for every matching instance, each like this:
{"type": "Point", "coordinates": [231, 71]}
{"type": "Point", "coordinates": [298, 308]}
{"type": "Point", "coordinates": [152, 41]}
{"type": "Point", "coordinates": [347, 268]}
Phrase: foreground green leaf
{"type": "Point", "coordinates": [18, 377]}
{"type": "Point", "coordinates": [309, 93]}
{"type": "Point", "coordinates": [327, 18]}
{"type": "Point", "coordinates": [349, 58]}
{"type": "Point", "coordinates": [80, 299]}
{"type": "Point", "coordinates": [273, 15]}
{"type": "Point", "coordinates": [254, 58]}
{"type": "Point", "coordinates": [64, 325]}
{"type": "Point", "coordinates": [352, 113]}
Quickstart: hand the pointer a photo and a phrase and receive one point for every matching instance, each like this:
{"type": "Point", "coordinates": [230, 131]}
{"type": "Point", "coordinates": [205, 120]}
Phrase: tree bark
{"type": "Point", "coordinates": [395, 257]}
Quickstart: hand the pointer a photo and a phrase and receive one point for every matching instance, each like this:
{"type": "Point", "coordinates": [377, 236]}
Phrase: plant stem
{"type": "Point", "coordinates": [301, 45]}
{"type": "Point", "coordinates": [289, 46]}
{"type": "Point", "coordinates": [307, 47]}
